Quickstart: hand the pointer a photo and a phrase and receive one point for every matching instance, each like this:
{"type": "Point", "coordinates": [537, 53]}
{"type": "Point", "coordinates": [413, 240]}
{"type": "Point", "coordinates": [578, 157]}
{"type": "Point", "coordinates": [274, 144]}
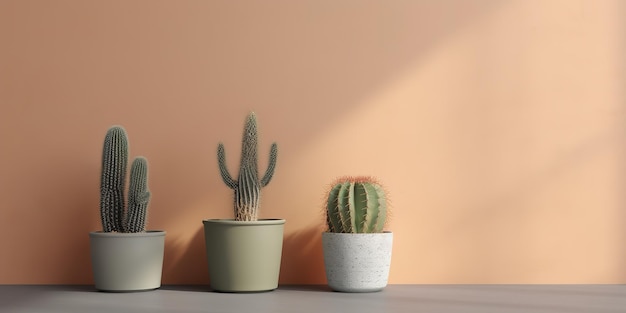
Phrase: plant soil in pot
{"type": "Point", "coordinates": [244, 253]}
{"type": "Point", "coordinates": [124, 256]}
{"type": "Point", "coordinates": [357, 252]}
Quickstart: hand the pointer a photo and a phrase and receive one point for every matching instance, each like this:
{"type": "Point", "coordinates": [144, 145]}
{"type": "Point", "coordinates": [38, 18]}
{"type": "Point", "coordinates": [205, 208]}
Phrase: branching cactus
{"type": "Point", "coordinates": [247, 186]}
{"type": "Point", "coordinates": [112, 202]}
{"type": "Point", "coordinates": [356, 205]}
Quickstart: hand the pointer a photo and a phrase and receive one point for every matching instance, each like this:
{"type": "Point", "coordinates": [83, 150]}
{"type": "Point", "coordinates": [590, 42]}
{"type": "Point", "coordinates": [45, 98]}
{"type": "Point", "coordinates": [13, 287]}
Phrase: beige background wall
{"type": "Point", "coordinates": [497, 126]}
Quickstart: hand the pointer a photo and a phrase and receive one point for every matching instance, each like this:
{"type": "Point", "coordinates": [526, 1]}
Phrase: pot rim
{"type": "Point", "coordinates": [147, 233]}
{"type": "Point", "coordinates": [386, 232]}
{"type": "Point", "coordinates": [230, 221]}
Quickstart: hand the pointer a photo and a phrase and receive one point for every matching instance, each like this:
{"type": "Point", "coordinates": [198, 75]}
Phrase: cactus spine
{"type": "Point", "coordinates": [356, 205]}
{"type": "Point", "coordinates": [248, 186]}
{"type": "Point", "coordinates": [112, 204]}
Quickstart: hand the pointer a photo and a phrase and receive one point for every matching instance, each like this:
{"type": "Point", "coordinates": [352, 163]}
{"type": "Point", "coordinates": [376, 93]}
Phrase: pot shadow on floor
{"type": "Point", "coordinates": [302, 265]}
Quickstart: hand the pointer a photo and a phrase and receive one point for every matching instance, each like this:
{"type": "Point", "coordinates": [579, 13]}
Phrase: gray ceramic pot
{"type": "Point", "coordinates": [124, 262]}
{"type": "Point", "coordinates": [357, 262]}
{"type": "Point", "coordinates": [244, 256]}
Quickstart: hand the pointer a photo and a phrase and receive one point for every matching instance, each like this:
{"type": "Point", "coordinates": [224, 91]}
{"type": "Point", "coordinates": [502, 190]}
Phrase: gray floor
{"type": "Point", "coordinates": [318, 299]}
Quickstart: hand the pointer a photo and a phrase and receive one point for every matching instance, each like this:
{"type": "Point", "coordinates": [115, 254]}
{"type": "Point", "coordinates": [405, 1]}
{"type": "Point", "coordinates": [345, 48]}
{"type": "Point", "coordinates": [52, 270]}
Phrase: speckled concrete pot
{"type": "Point", "coordinates": [357, 262]}
{"type": "Point", "coordinates": [125, 262]}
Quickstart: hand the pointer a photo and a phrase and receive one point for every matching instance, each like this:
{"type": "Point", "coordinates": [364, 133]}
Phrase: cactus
{"type": "Point", "coordinates": [248, 186]}
{"type": "Point", "coordinates": [138, 196]}
{"type": "Point", "coordinates": [114, 161]}
{"type": "Point", "coordinates": [112, 205]}
{"type": "Point", "coordinates": [356, 205]}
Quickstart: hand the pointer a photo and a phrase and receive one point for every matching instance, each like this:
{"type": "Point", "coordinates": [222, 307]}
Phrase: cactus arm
{"type": "Point", "coordinates": [138, 196]}
{"type": "Point", "coordinates": [269, 173]}
{"type": "Point", "coordinates": [221, 161]}
{"type": "Point", "coordinates": [114, 161]}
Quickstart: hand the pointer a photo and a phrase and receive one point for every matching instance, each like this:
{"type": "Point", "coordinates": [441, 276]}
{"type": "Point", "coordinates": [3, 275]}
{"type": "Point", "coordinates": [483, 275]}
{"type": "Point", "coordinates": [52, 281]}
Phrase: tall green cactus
{"type": "Point", "coordinates": [114, 161]}
{"type": "Point", "coordinates": [248, 185]}
{"type": "Point", "coordinates": [112, 204]}
{"type": "Point", "coordinates": [356, 205]}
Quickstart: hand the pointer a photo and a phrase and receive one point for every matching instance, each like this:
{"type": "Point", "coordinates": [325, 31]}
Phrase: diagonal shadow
{"type": "Point", "coordinates": [621, 76]}
{"type": "Point", "coordinates": [185, 262]}
{"type": "Point", "coordinates": [303, 259]}
{"type": "Point", "coordinates": [323, 57]}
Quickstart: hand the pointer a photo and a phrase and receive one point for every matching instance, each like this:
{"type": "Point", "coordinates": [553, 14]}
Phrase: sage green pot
{"type": "Point", "coordinates": [243, 256]}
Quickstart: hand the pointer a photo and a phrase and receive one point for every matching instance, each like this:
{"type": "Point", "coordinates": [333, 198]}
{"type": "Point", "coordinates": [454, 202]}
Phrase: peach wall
{"type": "Point", "coordinates": [497, 126]}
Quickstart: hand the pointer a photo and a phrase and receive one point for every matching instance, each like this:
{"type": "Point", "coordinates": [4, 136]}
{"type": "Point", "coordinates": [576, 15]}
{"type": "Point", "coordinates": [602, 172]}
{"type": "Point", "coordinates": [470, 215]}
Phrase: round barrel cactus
{"type": "Point", "coordinates": [356, 205]}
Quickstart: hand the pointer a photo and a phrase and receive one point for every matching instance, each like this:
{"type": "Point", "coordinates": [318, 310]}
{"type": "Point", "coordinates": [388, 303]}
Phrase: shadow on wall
{"type": "Point", "coordinates": [622, 91]}
{"type": "Point", "coordinates": [185, 262]}
{"type": "Point", "coordinates": [515, 231]}
{"type": "Point", "coordinates": [303, 260]}
{"type": "Point", "coordinates": [78, 269]}
{"type": "Point", "coordinates": [323, 58]}
{"type": "Point", "coordinates": [310, 58]}
{"type": "Point", "coordinates": [67, 260]}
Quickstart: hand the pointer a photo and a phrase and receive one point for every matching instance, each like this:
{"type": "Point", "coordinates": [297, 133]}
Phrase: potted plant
{"type": "Point", "coordinates": [244, 253]}
{"type": "Point", "coordinates": [357, 251]}
{"type": "Point", "coordinates": [124, 256]}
